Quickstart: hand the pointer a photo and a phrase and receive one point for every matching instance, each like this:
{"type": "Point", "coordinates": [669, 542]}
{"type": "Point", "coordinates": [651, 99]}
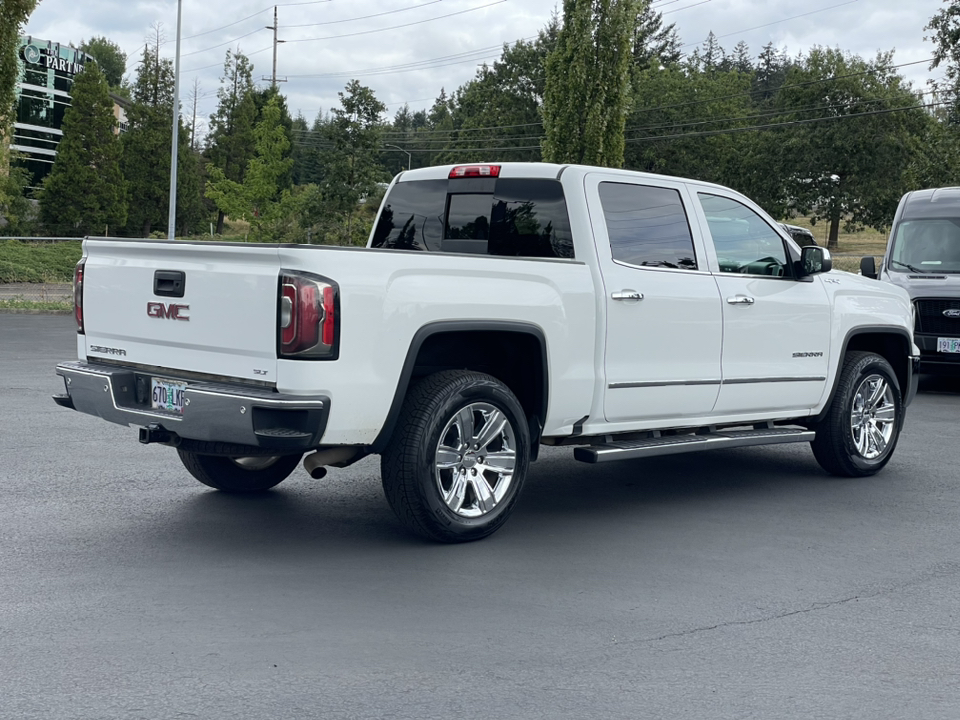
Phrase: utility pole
{"type": "Point", "coordinates": [172, 214]}
{"type": "Point", "coordinates": [274, 79]}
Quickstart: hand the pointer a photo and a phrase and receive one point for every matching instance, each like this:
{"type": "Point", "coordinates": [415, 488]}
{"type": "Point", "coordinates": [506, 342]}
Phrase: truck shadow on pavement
{"type": "Point", "coordinates": [561, 496]}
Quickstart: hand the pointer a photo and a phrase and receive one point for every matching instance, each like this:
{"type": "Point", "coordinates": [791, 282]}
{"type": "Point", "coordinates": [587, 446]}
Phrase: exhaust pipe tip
{"type": "Point", "coordinates": [314, 462]}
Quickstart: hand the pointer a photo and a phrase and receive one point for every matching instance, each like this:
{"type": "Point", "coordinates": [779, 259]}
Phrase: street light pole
{"type": "Point", "coordinates": [172, 216]}
{"type": "Point", "coordinates": [409, 157]}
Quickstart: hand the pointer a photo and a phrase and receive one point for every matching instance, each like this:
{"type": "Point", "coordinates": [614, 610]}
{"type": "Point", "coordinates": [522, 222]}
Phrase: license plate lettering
{"type": "Point", "coordinates": [167, 395]}
{"type": "Point", "coordinates": [948, 345]}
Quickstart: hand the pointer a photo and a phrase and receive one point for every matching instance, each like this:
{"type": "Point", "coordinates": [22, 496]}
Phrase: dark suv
{"type": "Point", "coordinates": [923, 257]}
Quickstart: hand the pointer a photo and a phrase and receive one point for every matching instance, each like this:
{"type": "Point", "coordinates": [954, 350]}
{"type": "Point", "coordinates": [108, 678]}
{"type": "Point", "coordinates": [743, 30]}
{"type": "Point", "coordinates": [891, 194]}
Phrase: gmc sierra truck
{"type": "Point", "coordinates": [496, 308]}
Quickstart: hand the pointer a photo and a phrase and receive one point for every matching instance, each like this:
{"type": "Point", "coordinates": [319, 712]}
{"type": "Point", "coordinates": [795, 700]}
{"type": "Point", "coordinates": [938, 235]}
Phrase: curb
{"type": "Point", "coordinates": [31, 311]}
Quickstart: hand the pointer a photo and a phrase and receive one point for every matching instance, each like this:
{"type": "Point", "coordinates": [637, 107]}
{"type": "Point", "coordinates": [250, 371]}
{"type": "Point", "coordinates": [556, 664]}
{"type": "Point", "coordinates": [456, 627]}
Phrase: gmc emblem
{"type": "Point", "coordinates": [170, 312]}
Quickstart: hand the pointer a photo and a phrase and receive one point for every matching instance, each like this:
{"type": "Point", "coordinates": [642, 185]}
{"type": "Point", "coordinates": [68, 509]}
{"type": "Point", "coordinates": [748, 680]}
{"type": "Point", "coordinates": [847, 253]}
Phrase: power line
{"type": "Point", "coordinates": [775, 22]}
{"type": "Point", "coordinates": [346, 35]}
{"type": "Point", "coordinates": [365, 17]}
{"type": "Point", "coordinates": [248, 17]}
{"type": "Point", "coordinates": [398, 27]}
{"type": "Point", "coordinates": [787, 123]}
{"type": "Point", "coordinates": [223, 44]}
{"type": "Point", "coordinates": [406, 67]}
{"type": "Point", "coordinates": [782, 87]}
{"type": "Point", "coordinates": [675, 136]}
{"type": "Point", "coordinates": [686, 7]}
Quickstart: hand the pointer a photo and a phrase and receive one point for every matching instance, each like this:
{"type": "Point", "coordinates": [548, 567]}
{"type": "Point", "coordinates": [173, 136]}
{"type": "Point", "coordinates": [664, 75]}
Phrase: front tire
{"type": "Point", "coordinates": [862, 426]}
{"type": "Point", "coordinates": [239, 474]}
{"type": "Point", "coordinates": [454, 467]}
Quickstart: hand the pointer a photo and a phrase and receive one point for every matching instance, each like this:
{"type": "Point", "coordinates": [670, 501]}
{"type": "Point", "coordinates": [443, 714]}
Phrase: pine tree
{"type": "Point", "coordinates": [146, 144]}
{"type": "Point", "coordinates": [352, 170]}
{"type": "Point", "coordinates": [261, 198]}
{"type": "Point", "coordinates": [587, 91]}
{"type": "Point", "coordinates": [85, 192]}
{"type": "Point", "coordinates": [146, 152]}
{"type": "Point", "coordinates": [230, 142]}
{"type": "Point", "coordinates": [652, 41]}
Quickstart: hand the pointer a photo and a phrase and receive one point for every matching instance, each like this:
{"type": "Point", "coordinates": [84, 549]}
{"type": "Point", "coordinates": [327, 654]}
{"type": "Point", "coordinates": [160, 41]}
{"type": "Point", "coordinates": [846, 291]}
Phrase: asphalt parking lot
{"type": "Point", "coordinates": [731, 584]}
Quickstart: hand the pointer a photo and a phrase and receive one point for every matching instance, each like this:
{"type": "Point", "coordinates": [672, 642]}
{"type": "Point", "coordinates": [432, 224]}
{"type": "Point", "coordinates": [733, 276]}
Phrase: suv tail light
{"type": "Point", "coordinates": [474, 171]}
{"type": "Point", "coordinates": [78, 295]}
{"type": "Point", "coordinates": [308, 310]}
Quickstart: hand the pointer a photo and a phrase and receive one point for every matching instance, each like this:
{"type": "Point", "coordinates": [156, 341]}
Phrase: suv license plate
{"type": "Point", "coordinates": [167, 395]}
{"type": "Point", "coordinates": [948, 345]}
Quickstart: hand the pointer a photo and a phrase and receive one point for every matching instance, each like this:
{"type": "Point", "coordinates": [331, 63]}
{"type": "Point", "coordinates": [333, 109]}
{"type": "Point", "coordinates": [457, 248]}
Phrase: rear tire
{"type": "Point", "coordinates": [240, 474]}
{"type": "Point", "coordinates": [455, 465]}
{"type": "Point", "coordinates": [860, 431]}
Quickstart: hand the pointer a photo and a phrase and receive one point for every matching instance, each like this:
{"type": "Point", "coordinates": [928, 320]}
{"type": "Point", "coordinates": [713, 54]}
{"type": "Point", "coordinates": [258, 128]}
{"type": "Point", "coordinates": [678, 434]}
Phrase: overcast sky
{"type": "Point", "coordinates": [406, 50]}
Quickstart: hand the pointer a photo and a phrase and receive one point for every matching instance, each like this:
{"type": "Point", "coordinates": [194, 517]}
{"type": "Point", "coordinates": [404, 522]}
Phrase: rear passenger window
{"type": "Point", "coordinates": [412, 216]}
{"type": "Point", "coordinates": [647, 226]}
{"type": "Point", "coordinates": [515, 217]}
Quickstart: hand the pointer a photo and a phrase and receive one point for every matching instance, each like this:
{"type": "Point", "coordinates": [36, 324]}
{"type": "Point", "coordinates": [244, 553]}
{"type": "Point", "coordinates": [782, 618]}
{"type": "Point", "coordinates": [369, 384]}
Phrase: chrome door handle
{"type": "Point", "coordinates": [740, 300]}
{"type": "Point", "coordinates": [627, 295]}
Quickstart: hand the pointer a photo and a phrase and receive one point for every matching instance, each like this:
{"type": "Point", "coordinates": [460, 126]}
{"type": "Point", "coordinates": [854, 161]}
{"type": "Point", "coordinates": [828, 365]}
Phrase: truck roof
{"type": "Point", "coordinates": [539, 170]}
{"type": "Point", "coordinates": [932, 202]}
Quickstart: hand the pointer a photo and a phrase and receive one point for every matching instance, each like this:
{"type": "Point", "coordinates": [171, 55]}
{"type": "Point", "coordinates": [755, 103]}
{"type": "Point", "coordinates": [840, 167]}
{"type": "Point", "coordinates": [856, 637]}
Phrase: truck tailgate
{"type": "Point", "coordinates": [225, 323]}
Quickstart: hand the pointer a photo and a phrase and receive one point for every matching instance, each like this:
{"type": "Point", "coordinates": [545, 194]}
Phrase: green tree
{"type": "Point", "coordinates": [230, 143]}
{"type": "Point", "coordinates": [260, 199]}
{"type": "Point", "coordinates": [587, 92]}
{"type": "Point", "coordinates": [13, 15]}
{"type": "Point", "coordinates": [146, 150]}
{"type": "Point", "coordinates": [16, 211]}
{"type": "Point", "coordinates": [146, 144]}
{"type": "Point", "coordinates": [500, 107]}
{"type": "Point", "coordinates": [351, 168]}
{"type": "Point", "coordinates": [111, 59]}
{"type": "Point", "coordinates": [678, 121]}
{"type": "Point", "coordinates": [945, 34]}
{"type": "Point", "coordinates": [848, 166]}
{"type": "Point", "coordinates": [653, 42]}
{"type": "Point", "coordinates": [85, 190]}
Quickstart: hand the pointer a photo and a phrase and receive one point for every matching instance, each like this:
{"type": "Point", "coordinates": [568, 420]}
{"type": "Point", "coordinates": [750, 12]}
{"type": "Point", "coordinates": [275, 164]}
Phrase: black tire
{"type": "Point", "coordinates": [836, 445]}
{"type": "Point", "coordinates": [239, 475]}
{"type": "Point", "coordinates": [414, 482]}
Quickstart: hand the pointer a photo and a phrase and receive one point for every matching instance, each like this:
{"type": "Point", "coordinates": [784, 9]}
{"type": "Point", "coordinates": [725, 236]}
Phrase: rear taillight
{"type": "Point", "coordinates": [308, 317]}
{"type": "Point", "coordinates": [78, 295]}
{"type": "Point", "coordinates": [474, 171]}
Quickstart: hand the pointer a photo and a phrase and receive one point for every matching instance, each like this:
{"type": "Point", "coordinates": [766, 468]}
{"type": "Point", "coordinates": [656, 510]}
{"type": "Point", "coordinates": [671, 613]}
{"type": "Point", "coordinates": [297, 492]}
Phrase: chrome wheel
{"type": "Point", "coordinates": [475, 460]}
{"type": "Point", "coordinates": [873, 416]}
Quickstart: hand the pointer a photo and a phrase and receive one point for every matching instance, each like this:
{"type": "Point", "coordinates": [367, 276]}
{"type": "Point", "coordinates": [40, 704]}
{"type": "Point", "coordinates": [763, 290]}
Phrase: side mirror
{"type": "Point", "coordinates": [868, 267]}
{"type": "Point", "coordinates": [815, 259]}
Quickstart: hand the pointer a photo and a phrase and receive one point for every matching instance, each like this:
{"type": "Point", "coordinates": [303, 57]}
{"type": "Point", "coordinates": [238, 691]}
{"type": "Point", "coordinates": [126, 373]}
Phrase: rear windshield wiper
{"type": "Point", "coordinates": [911, 268]}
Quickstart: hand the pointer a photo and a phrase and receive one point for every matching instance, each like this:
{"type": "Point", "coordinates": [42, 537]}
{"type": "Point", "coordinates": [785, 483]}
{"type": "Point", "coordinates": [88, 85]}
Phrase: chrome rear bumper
{"type": "Point", "coordinates": [213, 412]}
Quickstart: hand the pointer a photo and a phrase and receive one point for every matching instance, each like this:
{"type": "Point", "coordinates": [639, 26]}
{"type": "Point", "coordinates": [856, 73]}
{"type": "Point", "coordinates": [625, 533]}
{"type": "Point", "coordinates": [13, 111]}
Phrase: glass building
{"type": "Point", "coordinates": [46, 78]}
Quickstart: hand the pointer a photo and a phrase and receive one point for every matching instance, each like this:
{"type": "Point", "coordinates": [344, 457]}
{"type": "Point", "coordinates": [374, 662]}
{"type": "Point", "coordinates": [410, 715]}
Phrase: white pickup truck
{"type": "Point", "coordinates": [496, 308]}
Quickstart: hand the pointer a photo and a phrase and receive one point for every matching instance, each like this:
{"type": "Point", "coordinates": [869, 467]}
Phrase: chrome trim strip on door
{"type": "Point", "coordinates": [667, 383]}
{"type": "Point", "coordinates": [736, 381]}
{"type": "Point", "coordinates": [751, 381]}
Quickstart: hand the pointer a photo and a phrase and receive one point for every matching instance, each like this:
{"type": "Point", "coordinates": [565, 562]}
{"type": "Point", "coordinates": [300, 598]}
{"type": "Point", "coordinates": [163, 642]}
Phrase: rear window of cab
{"type": "Point", "coordinates": [506, 217]}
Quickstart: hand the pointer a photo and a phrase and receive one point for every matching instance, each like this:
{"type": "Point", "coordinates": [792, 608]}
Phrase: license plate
{"type": "Point", "coordinates": [167, 395]}
{"type": "Point", "coordinates": [948, 345]}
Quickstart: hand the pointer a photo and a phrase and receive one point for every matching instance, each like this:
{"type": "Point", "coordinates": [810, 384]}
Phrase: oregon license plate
{"type": "Point", "coordinates": [167, 395]}
{"type": "Point", "coordinates": [948, 345]}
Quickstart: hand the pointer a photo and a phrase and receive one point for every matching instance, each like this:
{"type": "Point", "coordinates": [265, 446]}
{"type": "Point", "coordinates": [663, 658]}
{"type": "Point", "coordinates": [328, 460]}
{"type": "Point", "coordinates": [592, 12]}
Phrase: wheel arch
{"type": "Point", "coordinates": [444, 346]}
{"type": "Point", "coordinates": [891, 343]}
